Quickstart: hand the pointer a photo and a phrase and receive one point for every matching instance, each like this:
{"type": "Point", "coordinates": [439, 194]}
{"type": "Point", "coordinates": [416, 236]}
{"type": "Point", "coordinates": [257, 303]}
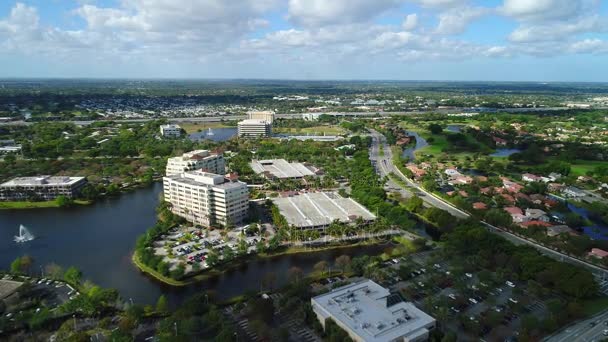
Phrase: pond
{"type": "Point", "coordinates": [505, 152]}
{"type": "Point", "coordinates": [410, 151]}
{"type": "Point", "coordinates": [214, 134]}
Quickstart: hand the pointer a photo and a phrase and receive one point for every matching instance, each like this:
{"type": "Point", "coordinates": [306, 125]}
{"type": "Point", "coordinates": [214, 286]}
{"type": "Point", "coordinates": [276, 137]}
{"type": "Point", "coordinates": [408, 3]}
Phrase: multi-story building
{"type": "Point", "coordinates": [266, 115]}
{"type": "Point", "coordinates": [170, 131]}
{"type": "Point", "coordinates": [197, 160]}
{"type": "Point", "coordinates": [41, 188]}
{"type": "Point", "coordinates": [206, 198]}
{"type": "Point", "coordinates": [254, 128]}
{"type": "Point", "coordinates": [364, 312]}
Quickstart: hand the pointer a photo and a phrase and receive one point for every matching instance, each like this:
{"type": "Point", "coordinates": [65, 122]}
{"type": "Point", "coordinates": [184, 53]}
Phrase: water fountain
{"type": "Point", "coordinates": [210, 132]}
{"type": "Point", "coordinates": [24, 235]}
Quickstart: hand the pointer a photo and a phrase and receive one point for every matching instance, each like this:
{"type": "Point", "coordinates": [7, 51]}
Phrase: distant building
{"type": "Point", "coordinates": [266, 115]}
{"type": "Point", "coordinates": [367, 312]}
{"type": "Point", "coordinates": [196, 160]}
{"type": "Point", "coordinates": [206, 198]}
{"type": "Point", "coordinates": [42, 187]}
{"type": "Point", "coordinates": [311, 116]}
{"type": "Point", "coordinates": [254, 128]}
{"type": "Point", "coordinates": [280, 168]}
{"type": "Point", "coordinates": [171, 131]}
{"type": "Point", "coordinates": [528, 177]}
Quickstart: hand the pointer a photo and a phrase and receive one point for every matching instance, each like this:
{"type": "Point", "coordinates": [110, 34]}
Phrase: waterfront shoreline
{"type": "Point", "coordinates": [211, 273]}
{"type": "Point", "coordinates": [20, 205]}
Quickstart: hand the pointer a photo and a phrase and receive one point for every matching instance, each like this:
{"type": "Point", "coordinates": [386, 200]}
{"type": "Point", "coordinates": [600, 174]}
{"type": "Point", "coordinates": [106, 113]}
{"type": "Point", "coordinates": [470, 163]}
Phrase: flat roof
{"type": "Point", "coordinates": [362, 307]}
{"type": "Point", "coordinates": [206, 179]}
{"type": "Point", "coordinates": [281, 168]}
{"type": "Point", "coordinates": [253, 122]}
{"type": "Point", "coordinates": [42, 181]}
{"type": "Point", "coordinates": [318, 209]}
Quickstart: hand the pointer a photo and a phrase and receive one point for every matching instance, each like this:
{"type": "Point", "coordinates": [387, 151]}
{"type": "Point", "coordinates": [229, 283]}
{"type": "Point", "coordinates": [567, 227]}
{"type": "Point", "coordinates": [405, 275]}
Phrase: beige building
{"type": "Point", "coordinates": [266, 115]}
{"type": "Point", "coordinates": [254, 128]}
{"type": "Point", "coordinates": [206, 198]}
{"type": "Point", "coordinates": [196, 160]}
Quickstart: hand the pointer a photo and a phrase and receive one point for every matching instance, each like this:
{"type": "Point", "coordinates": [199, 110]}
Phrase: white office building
{"type": "Point", "coordinates": [170, 131]}
{"type": "Point", "coordinates": [266, 115]}
{"type": "Point", "coordinates": [206, 199]}
{"type": "Point", "coordinates": [197, 160]}
{"type": "Point", "coordinates": [254, 128]}
{"type": "Point", "coordinates": [41, 188]}
{"type": "Point", "coordinates": [368, 313]}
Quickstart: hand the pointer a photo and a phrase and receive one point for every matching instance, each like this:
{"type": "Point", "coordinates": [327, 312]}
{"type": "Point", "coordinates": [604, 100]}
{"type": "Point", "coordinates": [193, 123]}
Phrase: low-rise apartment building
{"type": "Point", "coordinates": [196, 160]}
{"type": "Point", "coordinates": [41, 188]}
{"type": "Point", "coordinates": [206, 199]}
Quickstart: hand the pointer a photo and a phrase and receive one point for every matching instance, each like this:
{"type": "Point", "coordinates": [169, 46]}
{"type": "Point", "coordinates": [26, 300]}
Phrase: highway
{"type": "Point", "coordinates": [299, 115]}
{"type": "Point", "coordinates": [589, 330]}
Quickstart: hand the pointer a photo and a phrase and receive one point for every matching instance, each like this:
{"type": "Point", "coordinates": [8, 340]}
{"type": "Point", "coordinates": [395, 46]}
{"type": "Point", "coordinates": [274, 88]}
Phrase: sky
{"type": "Point", "coordinates": [469, 40]}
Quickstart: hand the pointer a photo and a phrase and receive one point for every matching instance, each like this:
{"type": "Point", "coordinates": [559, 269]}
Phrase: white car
{"type": "Point", "coordinates": [510, 284]}
{"type": "Point", "coordinates": [452, 296]}
{"type": "Point", "coordinates": [473, 300]}
{"type": "Point", "coordinates": [514, 301]}
{"type": "Point", "coordinates": [469, 275]}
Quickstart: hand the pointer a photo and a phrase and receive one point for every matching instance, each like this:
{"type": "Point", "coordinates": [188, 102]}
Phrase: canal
{"type": "Point", "coordinates": [99, 240]}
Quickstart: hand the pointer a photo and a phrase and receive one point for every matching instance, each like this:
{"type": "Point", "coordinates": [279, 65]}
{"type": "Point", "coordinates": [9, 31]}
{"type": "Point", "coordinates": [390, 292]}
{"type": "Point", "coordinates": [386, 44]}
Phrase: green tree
{"type": "Point", "coordinates": [162, 304]}
{"type": "Point", "coordinates": [63, 201]}
{"type": "Point", "coordinates": [73, 276]}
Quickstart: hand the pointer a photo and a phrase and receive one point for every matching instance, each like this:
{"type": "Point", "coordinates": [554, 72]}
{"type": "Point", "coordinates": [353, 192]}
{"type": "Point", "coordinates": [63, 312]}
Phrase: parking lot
{"type": "Point", "coordinates": [473, 305]}
{"type": "Point", "coordinates": [192, 246]}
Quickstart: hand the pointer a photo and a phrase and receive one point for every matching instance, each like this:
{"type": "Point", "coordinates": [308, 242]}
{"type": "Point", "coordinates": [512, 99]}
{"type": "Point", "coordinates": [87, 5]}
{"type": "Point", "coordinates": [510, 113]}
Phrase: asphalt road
{"type": "Point", "coordinates": [585, 331]}
{"type": "Point", "coordinates": [385, 166]}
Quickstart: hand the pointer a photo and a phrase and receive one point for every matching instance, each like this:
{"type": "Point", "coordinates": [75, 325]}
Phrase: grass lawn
{"type": "Point", "coordinates": [580, 167]}
{"type": "Point", "coordinates": [193, 127]}
{"type": "Point", "coordinates": [328, 130]}
{"type": "Point", "coordinates": [32, 205]}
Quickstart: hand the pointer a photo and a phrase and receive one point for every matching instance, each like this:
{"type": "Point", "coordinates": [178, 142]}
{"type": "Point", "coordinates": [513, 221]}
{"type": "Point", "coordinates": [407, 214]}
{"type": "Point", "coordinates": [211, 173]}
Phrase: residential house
{"type": "Point", "coordinates": [528, 177]}
{"type": "Point", "coordinates": [558, 230]}
{"type": "Point", "coordinates": [598, 253]}
{"type": "Point", "coordinates": [536, 215]}
{"type": "Point", "coordinates": [480, 206]}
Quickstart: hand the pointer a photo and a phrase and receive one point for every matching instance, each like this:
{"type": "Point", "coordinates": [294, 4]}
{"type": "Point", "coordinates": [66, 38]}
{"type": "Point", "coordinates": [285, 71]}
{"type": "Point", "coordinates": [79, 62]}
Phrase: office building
{"type": "Point", "coordinates": [281, 169]}
{"type": "Point", "coordinates": [197, 160]}
{"type": "Point", "coordinates": [369, 313]}
{"type": "Point", "coordinates": [266, 115]}
{"type": "Point", "coordinates": [206, 199]}
{"type": "Point", "coordinates": [254, 128]}
{"type": "Point", "coordinates": [170, 131]}
{"type": "Point", "coordinates": [41, 188]}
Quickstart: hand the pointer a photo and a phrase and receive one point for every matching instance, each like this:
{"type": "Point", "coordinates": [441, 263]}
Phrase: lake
{"type": "Point", "coordinates": [99, 240]}
{"type": "Point", "coordinates": [505, 152]}
{"type": "Point", "coordinates": [218, 134]}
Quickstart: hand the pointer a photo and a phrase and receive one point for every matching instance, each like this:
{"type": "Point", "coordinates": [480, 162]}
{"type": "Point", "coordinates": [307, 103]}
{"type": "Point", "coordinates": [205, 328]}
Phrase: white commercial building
{"type": "Point", "coordinates": [365, 311]}
{"type": "Point", "coordinates": [41, 188]}
{"type": "Point", "coordinates": [311, 116]}
{"type": "Point", "coordinates": [170, 131]}
{"type": "Point", "coordinates": [197, 160]}
{"type": "Point", "coordinates": [280, 168]}
{"type": "Point", "coordinates": [206, 198]}
{"type": "Point", "coordinates": [266, 115]}
{"type": "Point", "coordinates": [317, 210]}
{"type": "Point", "coordinates": [254, 128]}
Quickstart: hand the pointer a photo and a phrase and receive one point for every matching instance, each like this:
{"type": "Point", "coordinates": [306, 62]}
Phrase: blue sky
{"type": "Point", "coordinates": [513, 40]}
